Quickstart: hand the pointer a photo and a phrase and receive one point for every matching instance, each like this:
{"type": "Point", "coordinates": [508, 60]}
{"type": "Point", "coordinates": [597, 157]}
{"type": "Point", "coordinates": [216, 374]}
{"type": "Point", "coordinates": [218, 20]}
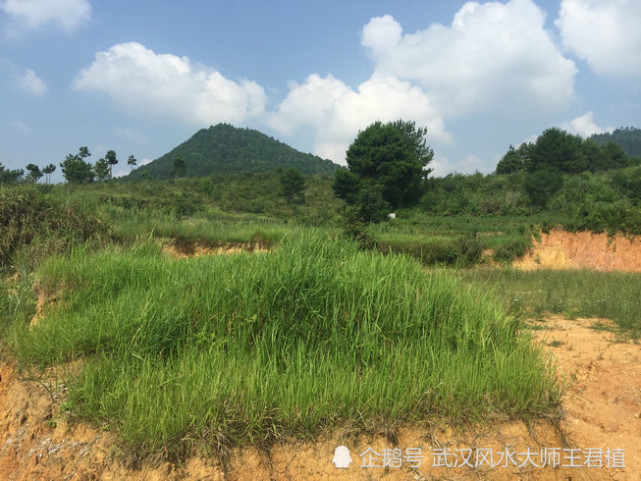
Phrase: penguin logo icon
{"type": "Point", "coordinates": [341, 458]}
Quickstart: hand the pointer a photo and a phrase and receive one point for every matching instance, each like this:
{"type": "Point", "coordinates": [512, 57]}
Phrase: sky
{"type": "Point", "coordinates": [142, 76]}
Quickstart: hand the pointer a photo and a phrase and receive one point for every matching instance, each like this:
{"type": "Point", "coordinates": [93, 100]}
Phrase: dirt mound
{"type": "Point", "coordinates": [583, 250]}
{"type": "Point", "coordinates": [602, 411]}
{"type": "Point", "coordinates": [183, 250]}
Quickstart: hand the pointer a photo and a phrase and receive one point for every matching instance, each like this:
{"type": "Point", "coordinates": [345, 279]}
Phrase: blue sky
{"type": "Point", "coordinates": [142, 76]}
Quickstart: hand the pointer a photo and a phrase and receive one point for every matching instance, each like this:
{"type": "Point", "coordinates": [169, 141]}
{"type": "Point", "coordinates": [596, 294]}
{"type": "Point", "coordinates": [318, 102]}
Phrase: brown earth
{"type": "Point", "coordinates": [601, 409]}
{"type": "Point", "coordinates": [583, 250]}
{"type": "Point", "coordinates": [183, 250]}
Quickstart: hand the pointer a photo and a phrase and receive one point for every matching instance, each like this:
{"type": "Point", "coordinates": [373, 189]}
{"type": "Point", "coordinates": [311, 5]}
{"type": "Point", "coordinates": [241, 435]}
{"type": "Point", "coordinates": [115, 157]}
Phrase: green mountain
{"type": "Point", "coordinates": [224, 149]}
{"type": "Point", "coordinates": [629, 139]}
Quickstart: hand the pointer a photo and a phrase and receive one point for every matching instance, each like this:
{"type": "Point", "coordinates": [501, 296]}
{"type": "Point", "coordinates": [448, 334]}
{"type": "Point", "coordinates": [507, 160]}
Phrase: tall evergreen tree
{"type": "Point", "coordinates": [111, 159]}
{"type": "Point", "coordinates": [48, 170]}
{"type": "Point", "coordinates": [34, 172]}
{"type": "Point", "coordinates": [392, 156]}
{"type": "Point", "coordinates": [75, 169]}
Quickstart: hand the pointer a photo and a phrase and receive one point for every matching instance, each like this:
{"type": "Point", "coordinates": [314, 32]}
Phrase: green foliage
{"type": "Point", "coordinates": [557, 151]}
{"type": "Point", "coordinates": [179, 168]}
{"type": "Point", "coordinates": [469, 249]}
{"type": "Point", "coordinates": [17, 303]}
{"type": "Point", "coordinates": [224, 149]}
{"type": "Point", "coordinates": [35, 225]}
{"type": "Point", "coordinates": [294, 342]}
{"type": "Point", "coordinates": [101, 169]}
{"type": "Point", "coordinates": [34, 172]}
{"type": "Point", "coordinates": [132, 160]}
{"type": "Point", "coordinates": [370, 206]}
{"type": "Point", "coordinates": [386, 155]}
{"type": "Point", "coordinates": [453, 240]}
{"type": "Point", "coordinates": [585, 293]}
{"type": "Point", "coordinates": [511, 162]}
{"type": "Point", "coordinates": [418, 137]}
{"type": "Point", "coordinates": [476, 194]}
{"type": "Point", "coordinates": [541, 185]}
{"type": "Point", "coordinates": [76, 170]}
{"type": "Point", "coordinates": [346, 185]}
{"type": "Point", "coordinates": [292, 186]}
{"type": "Point", "coordinates": [386, 169]}
{"type": "Point", "coordinates": [628, 138]}
{"type": "Point", "coordinates": [9, 176]}
{"type": "Point", "coordinates": [48, 170]}
{"type": "Point", "coordinates": [111, 159]}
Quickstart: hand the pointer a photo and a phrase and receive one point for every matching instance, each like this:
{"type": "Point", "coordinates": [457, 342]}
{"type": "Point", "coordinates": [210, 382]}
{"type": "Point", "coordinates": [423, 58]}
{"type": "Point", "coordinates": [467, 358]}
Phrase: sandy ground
{"type": "Point", "coordinates": [601, 410]}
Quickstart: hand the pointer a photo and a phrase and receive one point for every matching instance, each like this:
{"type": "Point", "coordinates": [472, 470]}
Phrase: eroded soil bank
{"type": "Point", "coordinates": [583, 250]}
{"type": "Point", "coordinates": [600, 410]}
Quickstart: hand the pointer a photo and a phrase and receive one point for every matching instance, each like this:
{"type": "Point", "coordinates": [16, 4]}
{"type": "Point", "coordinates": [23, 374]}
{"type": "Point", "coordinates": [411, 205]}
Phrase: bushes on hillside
{"type": "Point", "coordinates": [41, 224]}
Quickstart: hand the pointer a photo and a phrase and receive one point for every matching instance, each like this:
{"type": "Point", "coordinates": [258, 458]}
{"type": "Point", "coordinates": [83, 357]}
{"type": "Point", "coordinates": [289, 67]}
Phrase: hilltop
{"type": "Point", "coordinates": [628, 138]}
{"type": "Point", "coordinates": [225, 149]}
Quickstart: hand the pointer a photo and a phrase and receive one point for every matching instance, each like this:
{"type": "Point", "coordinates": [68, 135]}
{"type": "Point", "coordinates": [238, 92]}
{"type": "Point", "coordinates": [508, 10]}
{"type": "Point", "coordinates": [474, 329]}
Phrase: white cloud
{"type": "Point", "coordinates": [336, 113]}
{"type": "Point", "coordinates": [24, 79]}
{"type": "Point", "coordinates": [34, 14]}
{"type": "Point", "coordinates": [440, 165]}
{"type": "Point", "coordinates": [493, 57]}
{"type": "Point", "coordinates": [21, 127]}
{"type": "Point", "coordinates": [604, 34]}
{"type": "Point", "coordinates": [584, 126]}
{"type": "Point", "coordinates": [132, 134]}
{"type": "Point", "coordinates": [29, 82]}
{"type": "Point", "coordinates": [471, 164]}
{"type": "Point", "coordinates": [173, 87]}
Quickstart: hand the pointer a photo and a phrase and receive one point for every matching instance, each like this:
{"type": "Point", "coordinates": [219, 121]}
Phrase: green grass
{"type": "Point", "coordinates": [572, 293]}
{"type": "Point", "coordinates": [249, 347]}
{"type": "Point", "coordinates": [454, 240]}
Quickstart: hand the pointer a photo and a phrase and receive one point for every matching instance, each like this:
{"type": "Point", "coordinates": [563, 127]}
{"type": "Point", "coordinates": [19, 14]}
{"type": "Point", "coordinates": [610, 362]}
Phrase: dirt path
{"type": "Point", "coordinates": [602, 410]}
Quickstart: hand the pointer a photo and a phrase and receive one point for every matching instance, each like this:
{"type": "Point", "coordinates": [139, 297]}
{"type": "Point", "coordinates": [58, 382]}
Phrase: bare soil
{"type": "Point", "coordinates": [583, 250]}
{"type": "Point", "coordinates": [183, 250]}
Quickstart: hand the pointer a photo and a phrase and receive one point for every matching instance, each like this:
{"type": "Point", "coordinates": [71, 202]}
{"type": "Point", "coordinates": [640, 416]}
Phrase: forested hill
{"type": "Point", "coordinates": [224, 149]}
{"type": "Point", "coordinates": [629, 139]}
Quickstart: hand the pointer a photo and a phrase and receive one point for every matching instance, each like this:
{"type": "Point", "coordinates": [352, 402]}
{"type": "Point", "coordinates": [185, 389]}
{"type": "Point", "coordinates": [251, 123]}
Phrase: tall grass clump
{"type": "Point", "coordinates": [35, 222]}
{"type": "Point", "coordinates": [248, 347]}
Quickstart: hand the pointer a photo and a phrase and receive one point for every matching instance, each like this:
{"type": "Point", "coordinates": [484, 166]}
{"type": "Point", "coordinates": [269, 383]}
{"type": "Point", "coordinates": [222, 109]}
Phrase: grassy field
{"type": "Point", "coordinates": [250, 347]}
{"type": "Point", "coordinates": [315, 334]}
{"type": "Point", "coordinates": [456, 241]}
{"type": "Point", "coordinates": [573, 293]}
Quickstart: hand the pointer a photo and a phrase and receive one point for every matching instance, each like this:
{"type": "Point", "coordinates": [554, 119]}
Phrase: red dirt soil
{"type": "Point", "coordinates": [583, 250]}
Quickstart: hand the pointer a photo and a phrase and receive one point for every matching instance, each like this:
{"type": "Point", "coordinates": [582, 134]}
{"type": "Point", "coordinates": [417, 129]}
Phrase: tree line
{"type": "Point", "coordinates": [75, 169]}
{"type": "Point", "coordinates": [558, 151]}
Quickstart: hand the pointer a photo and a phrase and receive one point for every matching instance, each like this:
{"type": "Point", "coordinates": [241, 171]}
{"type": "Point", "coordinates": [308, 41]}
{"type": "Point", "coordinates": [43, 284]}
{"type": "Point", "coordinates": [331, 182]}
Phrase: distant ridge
{"type": "Point", "coordinates": [628, 138]}
{"type": "Point", "coordinates": [225, 149]}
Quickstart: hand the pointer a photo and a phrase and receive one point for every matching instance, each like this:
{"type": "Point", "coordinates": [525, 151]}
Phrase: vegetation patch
{"type": "Point", "coordinates": [36, 224]}
{"type": "Point", "coordinates": [226, 349]}
{"type": "Point", "coordinates": [573, 293]}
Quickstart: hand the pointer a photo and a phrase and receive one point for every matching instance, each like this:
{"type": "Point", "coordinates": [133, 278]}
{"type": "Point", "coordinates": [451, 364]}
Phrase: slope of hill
{"type": "Point", "coordinates": [224, 149]}
{"type": "Point", "coordinates": [628, 138]}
